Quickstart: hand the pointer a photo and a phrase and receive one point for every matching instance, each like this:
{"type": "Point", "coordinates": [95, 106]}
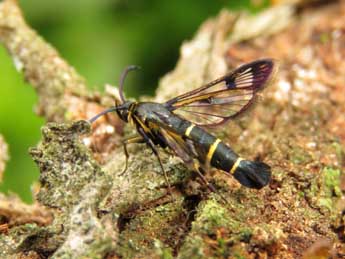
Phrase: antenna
{"type": "Point", "coordinates": [123, 77]}
{"type": "Point", "coordinates": [114, 108]}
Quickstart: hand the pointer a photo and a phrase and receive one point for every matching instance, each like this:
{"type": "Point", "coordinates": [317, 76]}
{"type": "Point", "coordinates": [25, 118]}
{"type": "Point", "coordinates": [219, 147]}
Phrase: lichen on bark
{"type": "Point", "coordinates": [296, 128]}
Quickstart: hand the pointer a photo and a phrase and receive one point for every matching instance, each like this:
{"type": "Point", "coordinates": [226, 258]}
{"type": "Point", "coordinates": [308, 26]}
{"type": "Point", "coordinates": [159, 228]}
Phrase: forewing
{"type": "Point", "coordinates": [224, 98]}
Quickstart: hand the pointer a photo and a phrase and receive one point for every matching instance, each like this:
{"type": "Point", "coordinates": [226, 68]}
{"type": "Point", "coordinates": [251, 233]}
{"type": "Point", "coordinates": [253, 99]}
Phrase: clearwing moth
{"type": "Point", "coordinates": [213, 104]}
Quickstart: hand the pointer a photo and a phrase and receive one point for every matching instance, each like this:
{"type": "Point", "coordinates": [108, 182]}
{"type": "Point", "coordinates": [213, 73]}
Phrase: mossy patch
{"type": "Point", "coordinates": [325, 189]}
{"type": "Point", "coordinates": [73, 182]}
{"type": "Point", "coordinates": [215, 229]}
{"type": "Point", "coordinates": [152, 231]}
{"type": "Point", "coordinates": [212, 215]}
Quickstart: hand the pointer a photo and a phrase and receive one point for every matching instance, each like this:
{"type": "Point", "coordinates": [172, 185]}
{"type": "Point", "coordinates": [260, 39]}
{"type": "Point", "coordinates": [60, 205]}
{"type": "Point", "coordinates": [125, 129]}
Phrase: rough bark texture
{"type": "Point", "coordinates": [297, 128]}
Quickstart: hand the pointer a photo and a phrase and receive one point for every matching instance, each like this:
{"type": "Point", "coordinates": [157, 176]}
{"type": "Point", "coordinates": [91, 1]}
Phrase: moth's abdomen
{"type": "Point", "coordinates": [214, 152]}
{"type": "Point", "coordinates": [223, 157]}
{"type": "Point", "coordinates": [211, 150]}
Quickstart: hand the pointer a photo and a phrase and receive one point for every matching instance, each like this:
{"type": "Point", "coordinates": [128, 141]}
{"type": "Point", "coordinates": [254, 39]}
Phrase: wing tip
{"type": "Point", "coordinates": [263, 72]}
{"type": "Point", "coordinates": [252, 75]}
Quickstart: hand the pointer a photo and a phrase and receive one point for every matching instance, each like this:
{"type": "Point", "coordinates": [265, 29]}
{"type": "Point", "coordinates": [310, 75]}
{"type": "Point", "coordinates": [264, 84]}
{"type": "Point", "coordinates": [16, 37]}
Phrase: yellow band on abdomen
{"type": "Point", "coordinates": [189, 130]}
{"type": "Point", "coordinates": [237, 163]}
{"type": "Point", "coordinates": [212, 149]}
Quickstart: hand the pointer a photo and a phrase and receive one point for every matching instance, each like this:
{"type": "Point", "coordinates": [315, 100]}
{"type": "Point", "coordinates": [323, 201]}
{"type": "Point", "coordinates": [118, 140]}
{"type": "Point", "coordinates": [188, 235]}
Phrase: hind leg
{"type": "Point", "coordinates": [199, 170]}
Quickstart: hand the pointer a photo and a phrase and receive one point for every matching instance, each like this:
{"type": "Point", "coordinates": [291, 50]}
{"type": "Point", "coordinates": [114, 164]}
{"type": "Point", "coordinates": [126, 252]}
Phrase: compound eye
{"type": "Point", "coordinates": [124, 115]}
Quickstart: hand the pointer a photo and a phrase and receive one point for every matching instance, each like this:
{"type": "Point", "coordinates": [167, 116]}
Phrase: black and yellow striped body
{"type": "Point", "coordinates": [191, 143]}
{"type": "Point", "coordinates": [209, 149]}
{"type": "Point", "coordinates": [195, 146]}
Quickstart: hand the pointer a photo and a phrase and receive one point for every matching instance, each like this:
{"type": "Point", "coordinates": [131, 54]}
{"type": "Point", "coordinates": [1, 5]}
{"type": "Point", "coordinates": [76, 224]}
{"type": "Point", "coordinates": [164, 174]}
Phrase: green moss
{"type": "Point", "coordinates": [245, 234]}
{"type": "Point", "coordinates": [267, 234]}
{"type": "Point", "coordinates": [73, 182]}
{"type": "Point", "coordinates": [325, 190]}
{"type": "Point", "coordinates": [212, 215]}
{"type": "Point", "coordinates": [331, 179]}
{"type": "Point", "coordinates": [152, 231]}
{"type": "Point", "coordinates": [324, 38]}
{"type": "Point", "coordinates": [326, 203]}
{"type": "Point", "coordinates": [219, 225]}
{"type": "Point", "coordinates": [239, 256]}
{"type": "Point", "coordinates": [163, 251]}
{"type": "Point", "coordinates": [193, 248]}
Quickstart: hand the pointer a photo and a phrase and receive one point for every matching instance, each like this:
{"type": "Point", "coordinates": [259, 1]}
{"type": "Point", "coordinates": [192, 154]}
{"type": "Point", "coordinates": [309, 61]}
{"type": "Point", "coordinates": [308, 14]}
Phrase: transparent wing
{"type": "Point", "coordinates": [224, 98]}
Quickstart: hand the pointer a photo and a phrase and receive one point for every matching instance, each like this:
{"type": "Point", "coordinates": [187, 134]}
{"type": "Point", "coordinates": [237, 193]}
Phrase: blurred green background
{"type": "Point", "coordinates": [99, 38]}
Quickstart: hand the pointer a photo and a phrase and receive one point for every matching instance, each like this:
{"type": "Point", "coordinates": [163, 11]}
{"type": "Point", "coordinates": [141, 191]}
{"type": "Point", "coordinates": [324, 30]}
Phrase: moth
{"type": "Point", "coordinates": [181, 123]}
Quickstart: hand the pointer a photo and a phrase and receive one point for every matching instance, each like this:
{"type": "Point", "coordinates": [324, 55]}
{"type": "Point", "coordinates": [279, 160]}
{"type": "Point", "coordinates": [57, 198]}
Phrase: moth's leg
{"type": "Point", "coordinates": [131, 140]}
{"type": "Point", "coordinates": [155, 151]}
{"type": "Point", "coordinates": [199, 170]}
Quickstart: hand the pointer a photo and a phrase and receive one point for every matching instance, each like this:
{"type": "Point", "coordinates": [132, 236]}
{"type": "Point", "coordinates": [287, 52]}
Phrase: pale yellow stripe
{"type": "Point", "coordinates": [189, 130]}
{"type": "Point", "coordinates": [237, 163]}
{"type": "Point", "coordinates": [130, 118]}
{"type": "Point", "coordinates": [212, 149]}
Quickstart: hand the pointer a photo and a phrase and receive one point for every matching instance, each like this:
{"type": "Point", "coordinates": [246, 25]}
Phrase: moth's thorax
{"type": "Point", "coordinates": [152, 112]}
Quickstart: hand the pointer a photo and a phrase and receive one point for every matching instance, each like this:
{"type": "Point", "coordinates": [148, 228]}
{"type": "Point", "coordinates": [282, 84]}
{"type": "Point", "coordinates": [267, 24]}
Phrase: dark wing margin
{"type": "Point", "coordinates": [224, 98]}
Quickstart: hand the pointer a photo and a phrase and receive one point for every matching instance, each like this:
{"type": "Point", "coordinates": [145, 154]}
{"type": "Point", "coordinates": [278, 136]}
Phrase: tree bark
{"type": "Point", "coordinates": [297, 128]}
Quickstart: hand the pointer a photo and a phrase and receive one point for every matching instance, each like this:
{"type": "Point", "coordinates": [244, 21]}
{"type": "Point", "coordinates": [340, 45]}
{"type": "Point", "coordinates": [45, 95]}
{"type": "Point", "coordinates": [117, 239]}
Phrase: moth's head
{"type": "Point", "coordinates": [124, 110]}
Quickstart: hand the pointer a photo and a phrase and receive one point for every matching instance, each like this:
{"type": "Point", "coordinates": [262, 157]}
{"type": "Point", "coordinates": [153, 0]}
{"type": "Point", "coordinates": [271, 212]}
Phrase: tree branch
{"type": "Point", "coordinates": [53, 79]}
